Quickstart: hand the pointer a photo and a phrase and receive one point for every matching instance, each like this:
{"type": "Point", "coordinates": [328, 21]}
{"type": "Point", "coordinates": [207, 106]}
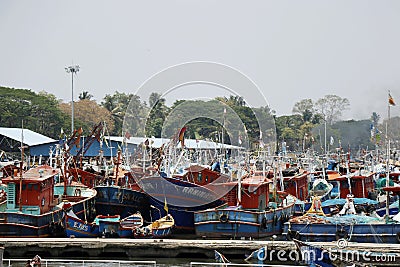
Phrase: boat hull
{"type": "Point", "coordinates": [366, 233]}
{"type": "Point", "coordinates": [75, 227]}
{"type": "Point", "coordinates": [114, 200]}
{"type": "Point", "coordinates": [237, 223]}
{"type": "Point", "coordinates": [51, 224]}
{"type": "Point", "coordinates": [182, 198]}
{"type": "Point", "coordinates": [184, 216]}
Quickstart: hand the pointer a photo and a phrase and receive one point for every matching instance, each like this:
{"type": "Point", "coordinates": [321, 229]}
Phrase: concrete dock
{"type": "Point", "coordinates": [156, 248]}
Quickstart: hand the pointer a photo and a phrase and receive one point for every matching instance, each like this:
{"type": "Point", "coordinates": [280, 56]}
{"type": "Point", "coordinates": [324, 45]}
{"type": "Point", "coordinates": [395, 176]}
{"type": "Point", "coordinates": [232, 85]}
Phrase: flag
{"type": "Point", "coordinates": [165, 205]}
{"type": "Point", "coordinates": [391, 101]}
{"type": "Point", "coordinates": [332, 141]}
{"type": "Point", "coordinates": [220, 258]}
{"type": "Point", "coordinates": [127, 135]}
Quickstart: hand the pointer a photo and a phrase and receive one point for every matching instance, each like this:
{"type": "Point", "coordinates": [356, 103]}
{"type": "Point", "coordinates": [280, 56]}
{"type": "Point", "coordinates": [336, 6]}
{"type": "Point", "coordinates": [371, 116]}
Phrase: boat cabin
{"type": "Point", "coordinates": [33, 192]}
{"type": "Point", "coordinates": [254, 193]}
{"type": "Point", "coordinates": [297, 185]}
{"type": "Point", "coordinates": [393, 176]}
{"type": "Point", "coordinates": [361, 185]}
{"type": "Point", "coordinates": [200, 175]}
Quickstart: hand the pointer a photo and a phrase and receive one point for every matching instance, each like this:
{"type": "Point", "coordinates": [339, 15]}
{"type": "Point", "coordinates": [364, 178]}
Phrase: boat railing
{"type": "Point", "coordinates": [83, 263]}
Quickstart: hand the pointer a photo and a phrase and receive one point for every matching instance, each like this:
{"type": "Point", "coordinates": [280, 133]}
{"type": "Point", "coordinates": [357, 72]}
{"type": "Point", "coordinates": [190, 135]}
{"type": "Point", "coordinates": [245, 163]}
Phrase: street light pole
{"type": "Point", "coordinates": [73, 70]}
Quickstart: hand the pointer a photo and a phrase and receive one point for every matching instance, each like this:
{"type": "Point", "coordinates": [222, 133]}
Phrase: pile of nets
{"type": "Point", "coordinates": [309, 218]}
{"type": "Point", "coordinates": [345, 219]}
{"type": "Point", "coordinates": [342, 201]}
{"type": "Point", "coordinates": [353, 219]}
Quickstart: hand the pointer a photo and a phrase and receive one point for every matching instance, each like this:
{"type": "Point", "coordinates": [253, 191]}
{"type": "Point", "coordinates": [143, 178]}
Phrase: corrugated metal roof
{"type": "Point", "coordinates": [31, 138]}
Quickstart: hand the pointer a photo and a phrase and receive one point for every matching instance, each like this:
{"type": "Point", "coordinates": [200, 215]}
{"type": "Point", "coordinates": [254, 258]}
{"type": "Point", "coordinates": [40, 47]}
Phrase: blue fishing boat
{"type": "Point", "coordinates": [105, 226]}
{"type": "Point", "coordinates": [180, 198]}
{"type": "Point", "coordinates": [117, 191]}
{"type": "Point", "coordinates": [123, 201]}
{"type": "Point", "coordinates": [116, 195]}
{"type": "Point", "coordinates": [34, 206]}
{"type": "Point", "coordinates": [316, 226]}
{"type": "Point", "coordinates": [247, 214]}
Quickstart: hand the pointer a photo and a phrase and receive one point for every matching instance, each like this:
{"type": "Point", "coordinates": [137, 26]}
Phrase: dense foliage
{"type": "Point", "coordinates": [39, 112]}
{"type": "Point", "coordinates": [304, 129]}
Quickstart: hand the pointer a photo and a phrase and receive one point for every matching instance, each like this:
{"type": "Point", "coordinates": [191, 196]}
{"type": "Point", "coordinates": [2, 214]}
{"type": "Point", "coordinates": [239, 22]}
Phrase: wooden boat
{"type": "Point", "coordinates": [117, 191]}
{"type": "Point", "coordinates": [315, 226]}
{"type": "Point", "coordinates": [158, 229]}
{"type": "Point", "coordinates": [34, 205]}
{"type": "Point", "coordinates": [102, 226]}
{"type": "Point", "coordinates": [255, 216]}
{"type": "Point", "coordinates": [183, 198]}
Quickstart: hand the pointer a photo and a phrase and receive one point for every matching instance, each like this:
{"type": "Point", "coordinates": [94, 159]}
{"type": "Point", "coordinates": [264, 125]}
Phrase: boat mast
{"type": "Point", "coordinates": [348, 175]}
{"type": "Point", "coordinates": [144, 151]}
{"type": "Point", "coordinates": [117, 167]}
{"type": "Point", "coordinates": [21, 166]}
{"type": "Point", "coordinates": [274, 182]}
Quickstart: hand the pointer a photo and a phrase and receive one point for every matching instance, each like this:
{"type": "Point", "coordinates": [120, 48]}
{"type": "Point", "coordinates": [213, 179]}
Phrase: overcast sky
{"type": "Point", "coordinates": [291, 49]}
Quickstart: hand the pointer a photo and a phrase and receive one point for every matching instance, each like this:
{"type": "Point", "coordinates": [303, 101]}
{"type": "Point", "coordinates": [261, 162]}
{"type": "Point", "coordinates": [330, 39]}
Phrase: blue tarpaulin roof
{"type": "Point", "coordinates": [342, 201]}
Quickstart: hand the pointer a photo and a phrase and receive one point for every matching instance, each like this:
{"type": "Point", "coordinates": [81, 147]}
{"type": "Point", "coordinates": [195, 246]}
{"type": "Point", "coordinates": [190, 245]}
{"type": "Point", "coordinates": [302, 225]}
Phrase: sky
{"type": "Point", "coordinates": [292, 50]}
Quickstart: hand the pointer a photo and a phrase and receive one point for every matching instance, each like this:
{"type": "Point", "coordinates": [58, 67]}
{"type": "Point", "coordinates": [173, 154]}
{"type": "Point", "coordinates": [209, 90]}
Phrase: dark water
{"type": "Point", "coordinates": [161, 262]}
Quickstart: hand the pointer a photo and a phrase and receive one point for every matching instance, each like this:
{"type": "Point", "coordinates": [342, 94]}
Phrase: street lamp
{"type": "Point", "coordinates": [73, 70]}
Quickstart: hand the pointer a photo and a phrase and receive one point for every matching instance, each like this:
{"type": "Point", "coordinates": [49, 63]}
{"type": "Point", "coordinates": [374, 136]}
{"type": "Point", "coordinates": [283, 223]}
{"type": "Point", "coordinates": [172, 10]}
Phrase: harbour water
{"type": "Point", "coordinates": [161, 262]}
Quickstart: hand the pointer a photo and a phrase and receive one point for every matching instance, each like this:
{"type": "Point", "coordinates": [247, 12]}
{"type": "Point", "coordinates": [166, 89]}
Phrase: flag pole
{"type": "Point", "coordinates": [390, 103]}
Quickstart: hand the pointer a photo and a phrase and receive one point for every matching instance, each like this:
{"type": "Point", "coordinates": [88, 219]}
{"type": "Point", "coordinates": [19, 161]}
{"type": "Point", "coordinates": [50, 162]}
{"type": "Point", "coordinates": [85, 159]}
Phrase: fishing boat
{"type": "Point", "coordinates": [117, 191]}
{"type": "Point", "coordinates": [102, 226]}
{"type": "Point", "coordinates": [120, 200]}
{"type": "Point", "coordinates": [34, 208]}
{"type": "Point", "coordinates": [194, 189]}
{"type": "Point", "coordinates": [316, 226]}
{"type": "Point", "coordinates": [180, 198]}
{"type": "Point", "coordinates": [249, 212]}
{"type": "Point", "coordinates": [160, 228]}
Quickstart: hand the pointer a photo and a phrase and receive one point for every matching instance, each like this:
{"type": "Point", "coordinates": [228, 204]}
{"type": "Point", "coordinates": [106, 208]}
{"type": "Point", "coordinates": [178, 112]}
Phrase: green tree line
{"type": "Point", "coordinates": [303, 129]}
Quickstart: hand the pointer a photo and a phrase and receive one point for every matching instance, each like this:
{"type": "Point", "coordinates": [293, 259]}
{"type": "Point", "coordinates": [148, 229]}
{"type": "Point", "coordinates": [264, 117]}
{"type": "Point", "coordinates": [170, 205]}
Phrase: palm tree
{"type": "Point", "coordinates": [85, 95]}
